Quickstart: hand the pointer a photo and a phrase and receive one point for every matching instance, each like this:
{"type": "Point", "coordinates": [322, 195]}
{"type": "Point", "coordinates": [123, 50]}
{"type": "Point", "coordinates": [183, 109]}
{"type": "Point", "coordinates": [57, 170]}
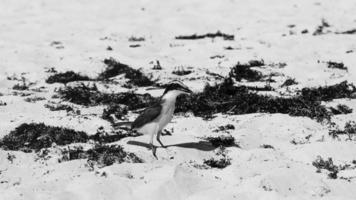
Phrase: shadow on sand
{"type": "Point", "coordinates": [201, 145]}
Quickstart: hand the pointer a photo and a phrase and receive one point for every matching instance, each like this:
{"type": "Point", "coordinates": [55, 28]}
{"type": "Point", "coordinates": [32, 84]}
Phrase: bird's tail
{"type": "Point", "coordinates": [122, 125]}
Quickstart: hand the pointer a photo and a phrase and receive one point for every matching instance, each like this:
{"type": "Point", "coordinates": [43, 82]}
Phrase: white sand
{"type": "Point", "coordinates": [86, 28]}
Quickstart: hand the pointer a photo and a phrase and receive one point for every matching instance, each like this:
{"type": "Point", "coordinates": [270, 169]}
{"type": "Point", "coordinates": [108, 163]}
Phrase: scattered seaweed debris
{"type": "Point", "coordinates": [21, 87]}
{"type": "Point", "coordinates": [222, 140]}
{"type": "Point", "coordinates": [134, 45]}
{"type": "Point", "coordinates": [52, 106]}
{"type": "Point", "coordinates": [114, 112]}
{"type": "Point", "coordinates": [349, 130]}
{"type": "Point", "coordinates": [157, 66]}
{"type": "Point", "coordinates": [305, 31]}
{"type": "Point", "coordinates": [267, 146]}
{"type": "Point", "coordinates": [103, 136]}
{"type": "Point", "coordinates": [227, 98]}
{"type": "Point", "coordinates": [336, 65]}
{"type": "Point", "coordinates": [219, 162]}
{"type": "Point", "coordinates": [115, 68]}
{"type": "Point", "coordinates": [244, 71]}
{"type": "Point", "coordinates": [351, 31]}
{"type": "Point", "coordinates": [289, 82]}
{"type": "Point", "coordinates": [180, 71]}
{"type": "Point", "coordinates": [225, 128]}
{"type": "Point", "coordinates": [100, 155]}
{"type": "Point", "coordinates": [328, 93]}
{"type": "Point", "coordinates": [35, 136]}
{"type": "Point", "coordinates": [257, 88]}
{"type": "Point", "coordinates": [2, 103]}
{"type": "Point", "coordinates": [136, 39]}
{"type": "Point", "coordinates": [91, 96]}
{"type": "Point", "coordinates": [34, 99]}
{"type": "Point", "coordinates": [104, 155]}
{"type": "Point", "coordinates": [208, 35]}
{"type": "Point", "coordinates": [328, 165]}
{"type": "Point", "coordinates": [320, 30]}
{"type": "Point", "coordinates": [66, 77]}
{"type": "Point", "coordinates": [341, 109]}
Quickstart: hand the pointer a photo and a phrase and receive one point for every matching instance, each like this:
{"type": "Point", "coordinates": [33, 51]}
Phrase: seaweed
{"type": "Point", "coordinates": [328, 165]}
{"type": "Point", "coordinates": [208, 35]}
{"type": "Point", "coordinates": [58, 106]}
{"type": "Point", "coordinates": [136, 39]}
{"type": "Point", "coordinates": [180, 71]}
{"type": "Point", "coordinates": [101, 155]}
{"type": "Point", "coordinates": [222, 140]}
{"type": "Point", "coordinates": [21, 87]}
{"type": "Point", "coordinates": [351, 31]}
{"type": "Point", "coordinates": [244, 71]}
{"type": "Point", "coordinates": [115, 68]}
{"type": "Point", "coordinates": [267, 146]}
{"type": "Point", "coordinates": [104, 155]}
{"type": "Point", "coordinates": [34, 99]}
{"type": "Point", "coordinates": [336, 65]}
{"type": "Point", "coordinates": [35, 136]}
{"type": "Point", "coordinates": [218, 163]}
{"type": "Point", "coordinates": [227, 98]}
{"type": "Point", "coordinates": [328, 93]}
{"type": "Point", "coordinates": [349, 130]}
{"type": "Point", "coordinates": [114, 111]}
{"type": "Point", "coordinates": [289, 82]}
{"type": "Point", "coordinates": [320, 30]}
{"type": "Point", "coordinates": [225, 128]}
{"type": "Point", "coordinates": [2, 103]}
{"type": "Point", "coordinates": [66, 77]}
{"type": "Point", "coordinates": [341, 109]}
{"type": "Point", "coordinates": [90, 96]}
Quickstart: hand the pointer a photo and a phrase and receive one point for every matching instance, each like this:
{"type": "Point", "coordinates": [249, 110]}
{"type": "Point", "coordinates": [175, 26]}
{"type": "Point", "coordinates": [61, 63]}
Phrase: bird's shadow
{"type": "Point", "coordinates": [201, 145]}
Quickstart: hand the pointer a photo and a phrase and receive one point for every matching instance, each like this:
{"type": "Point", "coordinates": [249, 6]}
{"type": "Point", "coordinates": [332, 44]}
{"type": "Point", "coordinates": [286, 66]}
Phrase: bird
{"type": "Point", "coordinates": [153, 119]}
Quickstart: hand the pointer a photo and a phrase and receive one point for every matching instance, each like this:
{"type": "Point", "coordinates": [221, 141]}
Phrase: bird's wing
{"type": "Point", "coordinates": [148, 115]}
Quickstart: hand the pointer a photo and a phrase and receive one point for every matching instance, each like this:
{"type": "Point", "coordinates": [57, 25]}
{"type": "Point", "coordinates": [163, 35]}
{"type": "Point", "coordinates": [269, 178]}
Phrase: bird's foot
{"type": "Point", "coordinates": [154, 149]}
{"type": "Point", "coordinates": [162, 145]}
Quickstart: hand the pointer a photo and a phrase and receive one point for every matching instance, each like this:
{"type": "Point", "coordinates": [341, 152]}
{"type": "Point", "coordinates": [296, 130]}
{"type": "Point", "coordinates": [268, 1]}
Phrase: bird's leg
{"type": "Point", "coordinates": [153, 147]}
{"type": "Point", "coordinates": [159, 139]}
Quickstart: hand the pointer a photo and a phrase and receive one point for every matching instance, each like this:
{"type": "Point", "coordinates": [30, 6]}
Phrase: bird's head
{"type": "Point", "coordinates": [176, 88]}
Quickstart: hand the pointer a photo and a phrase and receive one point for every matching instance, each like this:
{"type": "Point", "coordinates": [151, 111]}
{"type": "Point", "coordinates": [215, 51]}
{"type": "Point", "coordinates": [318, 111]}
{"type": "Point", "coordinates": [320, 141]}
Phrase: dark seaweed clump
{"type": "Point", "coordinates": [320, 30]}
{"type": "Point", "coordinates": [328, 93]}
{"type": "Point", "coordinates": [208, 35]}
{"type": "Point", "coordinates": [58, 106]}
{"type": "Point", "coordinates": [222, 140]}
{"type": "Point", "coordinates": [289, 82]}
{"type": "Point", "coordinates": [227, 98]}
{"type": "Point", "coordinates": [34, 136]}
{"type": "Point", "coordinates": [91, 96]}
{"type": "Point", "coordinates": [66, 77]}
{"type": "Point", "coordinates": [19, 86]}
{"type": "Point", "coordinates": [182, 72]}
{"type": "Point", "coordinates": [104, 155]}
{"type": "Point", "coordinates": [115, 68]}
{"type": "Point", "coordinates": [349, 130]}
{"type": "Point", "coordinates": [114, 111]}
{"type": "Point", "coordinates": [244, 71]}
{"type": "Point", "coordinates": [101, 155]}
{"type": "Point", "coordinates": [218, 163]}
{"type": "Point", "coordinates": [225, 128]}
{"type": "Point", "coordinates": [341, 109]}
{"type": "Point", "coordinates": [336, 65]}
{"type": "Point", "coordinates": [319, 163]}
{"type": "Point", "coordinates": [351, 31]}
